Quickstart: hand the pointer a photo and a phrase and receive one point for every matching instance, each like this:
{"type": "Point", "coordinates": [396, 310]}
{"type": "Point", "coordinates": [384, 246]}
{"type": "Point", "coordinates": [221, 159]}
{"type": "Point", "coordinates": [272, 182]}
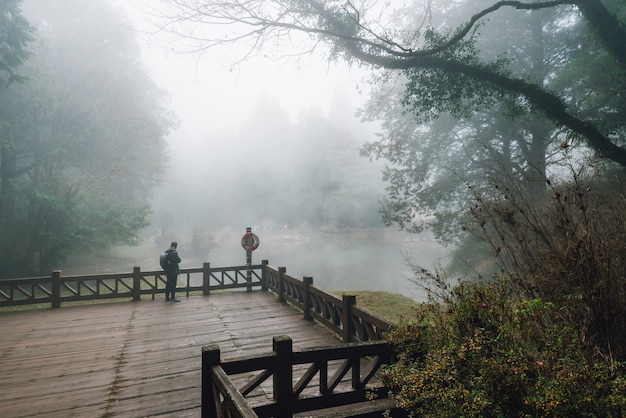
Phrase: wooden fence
{"type": "Point", "coordinates": [57, 289]}
{"type": "Point", "coordinates": [360, 330]}
{"type": "Point", "coordinates": [360, 397]}
{"type": "Point", "coordinates": [341, 315]}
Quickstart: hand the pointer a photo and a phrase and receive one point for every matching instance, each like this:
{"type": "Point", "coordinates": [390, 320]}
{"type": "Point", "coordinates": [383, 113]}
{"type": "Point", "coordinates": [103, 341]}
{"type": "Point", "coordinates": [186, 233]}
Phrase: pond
{"type": "Point", "coordinates": [339, 260]}
{"type": "Point", "coordinates": [342, 260]}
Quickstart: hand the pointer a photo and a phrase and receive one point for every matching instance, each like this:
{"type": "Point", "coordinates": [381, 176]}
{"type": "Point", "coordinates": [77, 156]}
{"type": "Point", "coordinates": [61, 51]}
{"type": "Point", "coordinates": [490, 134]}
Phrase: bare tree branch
{"type": "Point", "coordinates": [344, 27]}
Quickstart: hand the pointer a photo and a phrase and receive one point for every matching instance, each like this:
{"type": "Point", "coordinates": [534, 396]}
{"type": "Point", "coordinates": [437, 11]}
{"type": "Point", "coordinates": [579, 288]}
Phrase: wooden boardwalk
{"type": "Point", "coordinates": [134, 359]}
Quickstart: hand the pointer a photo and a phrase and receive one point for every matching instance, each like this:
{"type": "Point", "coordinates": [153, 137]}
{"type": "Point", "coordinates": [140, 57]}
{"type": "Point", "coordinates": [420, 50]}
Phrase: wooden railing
{"type": "Point", "coordinates": [345, 382]}
{"type": "Point", "coordinates": [57, 289]}
{"type": "Point", "coordinates": [360, 330]}
{"type": "Point", "coordinates": [341, 315]}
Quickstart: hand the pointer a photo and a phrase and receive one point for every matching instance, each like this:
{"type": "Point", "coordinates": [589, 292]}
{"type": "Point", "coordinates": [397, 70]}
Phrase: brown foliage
{"type": "Point", "coordinates": [567, 244]}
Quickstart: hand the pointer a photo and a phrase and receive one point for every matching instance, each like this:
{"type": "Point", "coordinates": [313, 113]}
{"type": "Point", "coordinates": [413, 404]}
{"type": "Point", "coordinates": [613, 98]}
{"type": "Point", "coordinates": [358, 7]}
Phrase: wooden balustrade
{"type": "Point", "coordinates": [345, 380]}
{"type": "Point", "coordinates": [360, 330]}
{"type": "Point", "coordinates": [57, 289]}
{"type": "Point", "coordinates": [341, 315]}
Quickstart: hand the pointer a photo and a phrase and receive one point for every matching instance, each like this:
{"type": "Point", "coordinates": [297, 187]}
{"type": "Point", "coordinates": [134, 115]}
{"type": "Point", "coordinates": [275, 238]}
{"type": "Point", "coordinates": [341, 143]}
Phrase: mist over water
{"type": "Point", "coordinates": [342, 260]}
{"type": "Point", "coordinates": [274, 146]}
{"type": "Point", "coordinates": [373, 259]}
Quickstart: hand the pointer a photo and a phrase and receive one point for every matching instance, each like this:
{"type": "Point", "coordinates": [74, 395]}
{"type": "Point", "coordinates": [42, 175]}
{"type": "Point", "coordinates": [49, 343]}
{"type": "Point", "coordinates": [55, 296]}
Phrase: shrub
{"type": "Point", "coordinates": [564, 243]}
{"type": "Point", "coordinates": [484, 352]}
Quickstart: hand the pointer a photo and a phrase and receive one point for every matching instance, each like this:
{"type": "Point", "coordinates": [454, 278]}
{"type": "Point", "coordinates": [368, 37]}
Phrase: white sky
{"type": "Point", "coordinates": [209, 96]}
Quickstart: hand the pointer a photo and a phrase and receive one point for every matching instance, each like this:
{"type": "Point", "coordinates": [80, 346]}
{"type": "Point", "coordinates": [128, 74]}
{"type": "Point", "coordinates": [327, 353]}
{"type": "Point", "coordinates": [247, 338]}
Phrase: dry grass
{"type": "Point", "coordinates": [391, 306]}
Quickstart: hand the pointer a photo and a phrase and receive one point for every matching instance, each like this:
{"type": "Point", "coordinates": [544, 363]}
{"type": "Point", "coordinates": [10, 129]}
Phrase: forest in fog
{"type": "Point", "coordinates": [93, 156]}
{"type": "Point", "coordinates": [480, 158]}
{"type": "Point", "coordinates": [272, 173]}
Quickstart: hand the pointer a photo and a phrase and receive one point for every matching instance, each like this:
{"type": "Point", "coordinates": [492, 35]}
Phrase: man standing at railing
{"type": "Point", "coordinates": [170, 266]}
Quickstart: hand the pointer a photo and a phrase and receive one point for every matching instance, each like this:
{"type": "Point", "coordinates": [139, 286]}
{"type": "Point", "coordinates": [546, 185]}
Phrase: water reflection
{"type": "Point", "coordinates": [339, 260]}
{"type": "Point", "coordinates": [373, 259]}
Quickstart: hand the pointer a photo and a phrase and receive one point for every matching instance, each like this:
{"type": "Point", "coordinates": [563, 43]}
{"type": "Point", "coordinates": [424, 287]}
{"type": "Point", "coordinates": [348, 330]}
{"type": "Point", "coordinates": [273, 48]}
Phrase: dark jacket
{"type": "Point", "coordinates": [174, 259]}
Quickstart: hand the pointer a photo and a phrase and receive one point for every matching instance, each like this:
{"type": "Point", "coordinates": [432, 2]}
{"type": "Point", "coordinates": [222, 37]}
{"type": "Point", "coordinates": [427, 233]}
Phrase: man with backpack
{"type": "Point", "coordinates": [169, 263]}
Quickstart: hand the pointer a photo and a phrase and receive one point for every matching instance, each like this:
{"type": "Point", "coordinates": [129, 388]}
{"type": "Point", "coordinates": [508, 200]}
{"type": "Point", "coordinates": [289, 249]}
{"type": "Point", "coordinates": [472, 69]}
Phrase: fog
{"type": "Point", "coordinates": [303, 189]}
{"type": "Point", "coordinates": [273, 144]}
{"type": "Point", "coordinates": [374, 259]}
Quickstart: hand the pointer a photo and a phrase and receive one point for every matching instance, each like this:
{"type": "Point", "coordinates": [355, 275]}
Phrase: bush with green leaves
{"type": "Point", "coordinates": [486, 352]}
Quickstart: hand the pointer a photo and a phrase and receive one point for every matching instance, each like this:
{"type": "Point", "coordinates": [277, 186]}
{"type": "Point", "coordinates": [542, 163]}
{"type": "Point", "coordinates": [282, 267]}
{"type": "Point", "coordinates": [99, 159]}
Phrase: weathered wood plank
{"type": "Point", "coordinates": [131, 359]}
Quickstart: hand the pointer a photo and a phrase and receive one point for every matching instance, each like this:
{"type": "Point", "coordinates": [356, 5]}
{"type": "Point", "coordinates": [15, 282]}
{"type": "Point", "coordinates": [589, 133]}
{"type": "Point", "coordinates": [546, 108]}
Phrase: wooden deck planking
{"type": "Point", "coordinates": [132, 359]}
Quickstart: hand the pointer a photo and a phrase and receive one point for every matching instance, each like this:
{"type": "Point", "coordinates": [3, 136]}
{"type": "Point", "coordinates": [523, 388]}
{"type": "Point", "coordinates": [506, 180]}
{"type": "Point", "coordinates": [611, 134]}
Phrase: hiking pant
{"type": "Point", "coordinates": [170, 285]}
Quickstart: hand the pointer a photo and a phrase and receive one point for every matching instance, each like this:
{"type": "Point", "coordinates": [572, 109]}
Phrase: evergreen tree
{"type": "Point", "coordinates": [84, 139]}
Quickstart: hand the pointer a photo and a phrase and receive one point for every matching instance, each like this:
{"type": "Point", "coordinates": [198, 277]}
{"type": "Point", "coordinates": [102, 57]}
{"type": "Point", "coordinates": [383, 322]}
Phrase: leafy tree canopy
{"type": "Point", "coordinates": [15, 34]}
{"type": "Point", "coordinates": [359, 31]}
{"type": "Point", "coordinates": [470, 93]}
{"type": "Point", "coordinates": [83, 139]}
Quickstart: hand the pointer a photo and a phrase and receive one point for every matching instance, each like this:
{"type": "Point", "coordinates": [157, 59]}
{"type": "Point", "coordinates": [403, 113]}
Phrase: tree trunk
{"type": "Point", "coordinates": [539, 129]}
{"type": "Point", "coordinates": [7, 187]}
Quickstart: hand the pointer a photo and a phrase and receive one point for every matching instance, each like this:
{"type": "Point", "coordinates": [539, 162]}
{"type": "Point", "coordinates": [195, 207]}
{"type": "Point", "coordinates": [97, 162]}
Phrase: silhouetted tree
{"type": "Point", "coordinates": [85, 136]}
{"type": "Point", "coordinates": [462, 79]}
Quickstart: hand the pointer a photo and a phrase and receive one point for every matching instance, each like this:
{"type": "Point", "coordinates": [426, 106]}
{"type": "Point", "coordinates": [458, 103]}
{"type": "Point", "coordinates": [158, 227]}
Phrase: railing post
{"type": "Point", "coordinates": [206, 278]}
{"type": "Point", "coordinates": [308, 282]}
{"type": "Point", "coordinates": [348, 327]}
{"type": "Point", "coordinates": [283, 376]}
{"type": "Point", "coordinates": [248, 247]}
{"type": "Point", "coordinates": [210, 358]}
{"type": "Point", "coordinates": [264, 264]}
{"type": "Point", "coordinates": [136, 283]}
{"type": "Point", "coordinates": [55, 289]}
{"type": "Point", "coordinates": [356, 373]}
{"type": "Point", "coordinates": [281, 284]}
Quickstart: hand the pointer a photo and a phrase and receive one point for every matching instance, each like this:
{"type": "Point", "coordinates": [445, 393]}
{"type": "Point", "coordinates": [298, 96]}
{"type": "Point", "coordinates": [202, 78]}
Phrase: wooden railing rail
{"type": "Point", "coordinates": [345, 377]}
{"type": "Point", "coordinates": [341, 315]}
{"type": "Point", "coordinates": [57, 289]}
{"type": "Point", "coordinates": [220, 396]}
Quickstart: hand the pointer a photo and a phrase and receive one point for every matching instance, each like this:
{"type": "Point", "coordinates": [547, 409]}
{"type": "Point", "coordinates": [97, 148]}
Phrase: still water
{"type": "Point", "coordinates": [342, 260]}
{"type": "Point", "coordinates": [339, 260]}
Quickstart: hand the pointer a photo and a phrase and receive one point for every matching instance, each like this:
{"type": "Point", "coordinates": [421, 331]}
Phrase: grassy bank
{"type": "Point", "coordinates": [391, 306]}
